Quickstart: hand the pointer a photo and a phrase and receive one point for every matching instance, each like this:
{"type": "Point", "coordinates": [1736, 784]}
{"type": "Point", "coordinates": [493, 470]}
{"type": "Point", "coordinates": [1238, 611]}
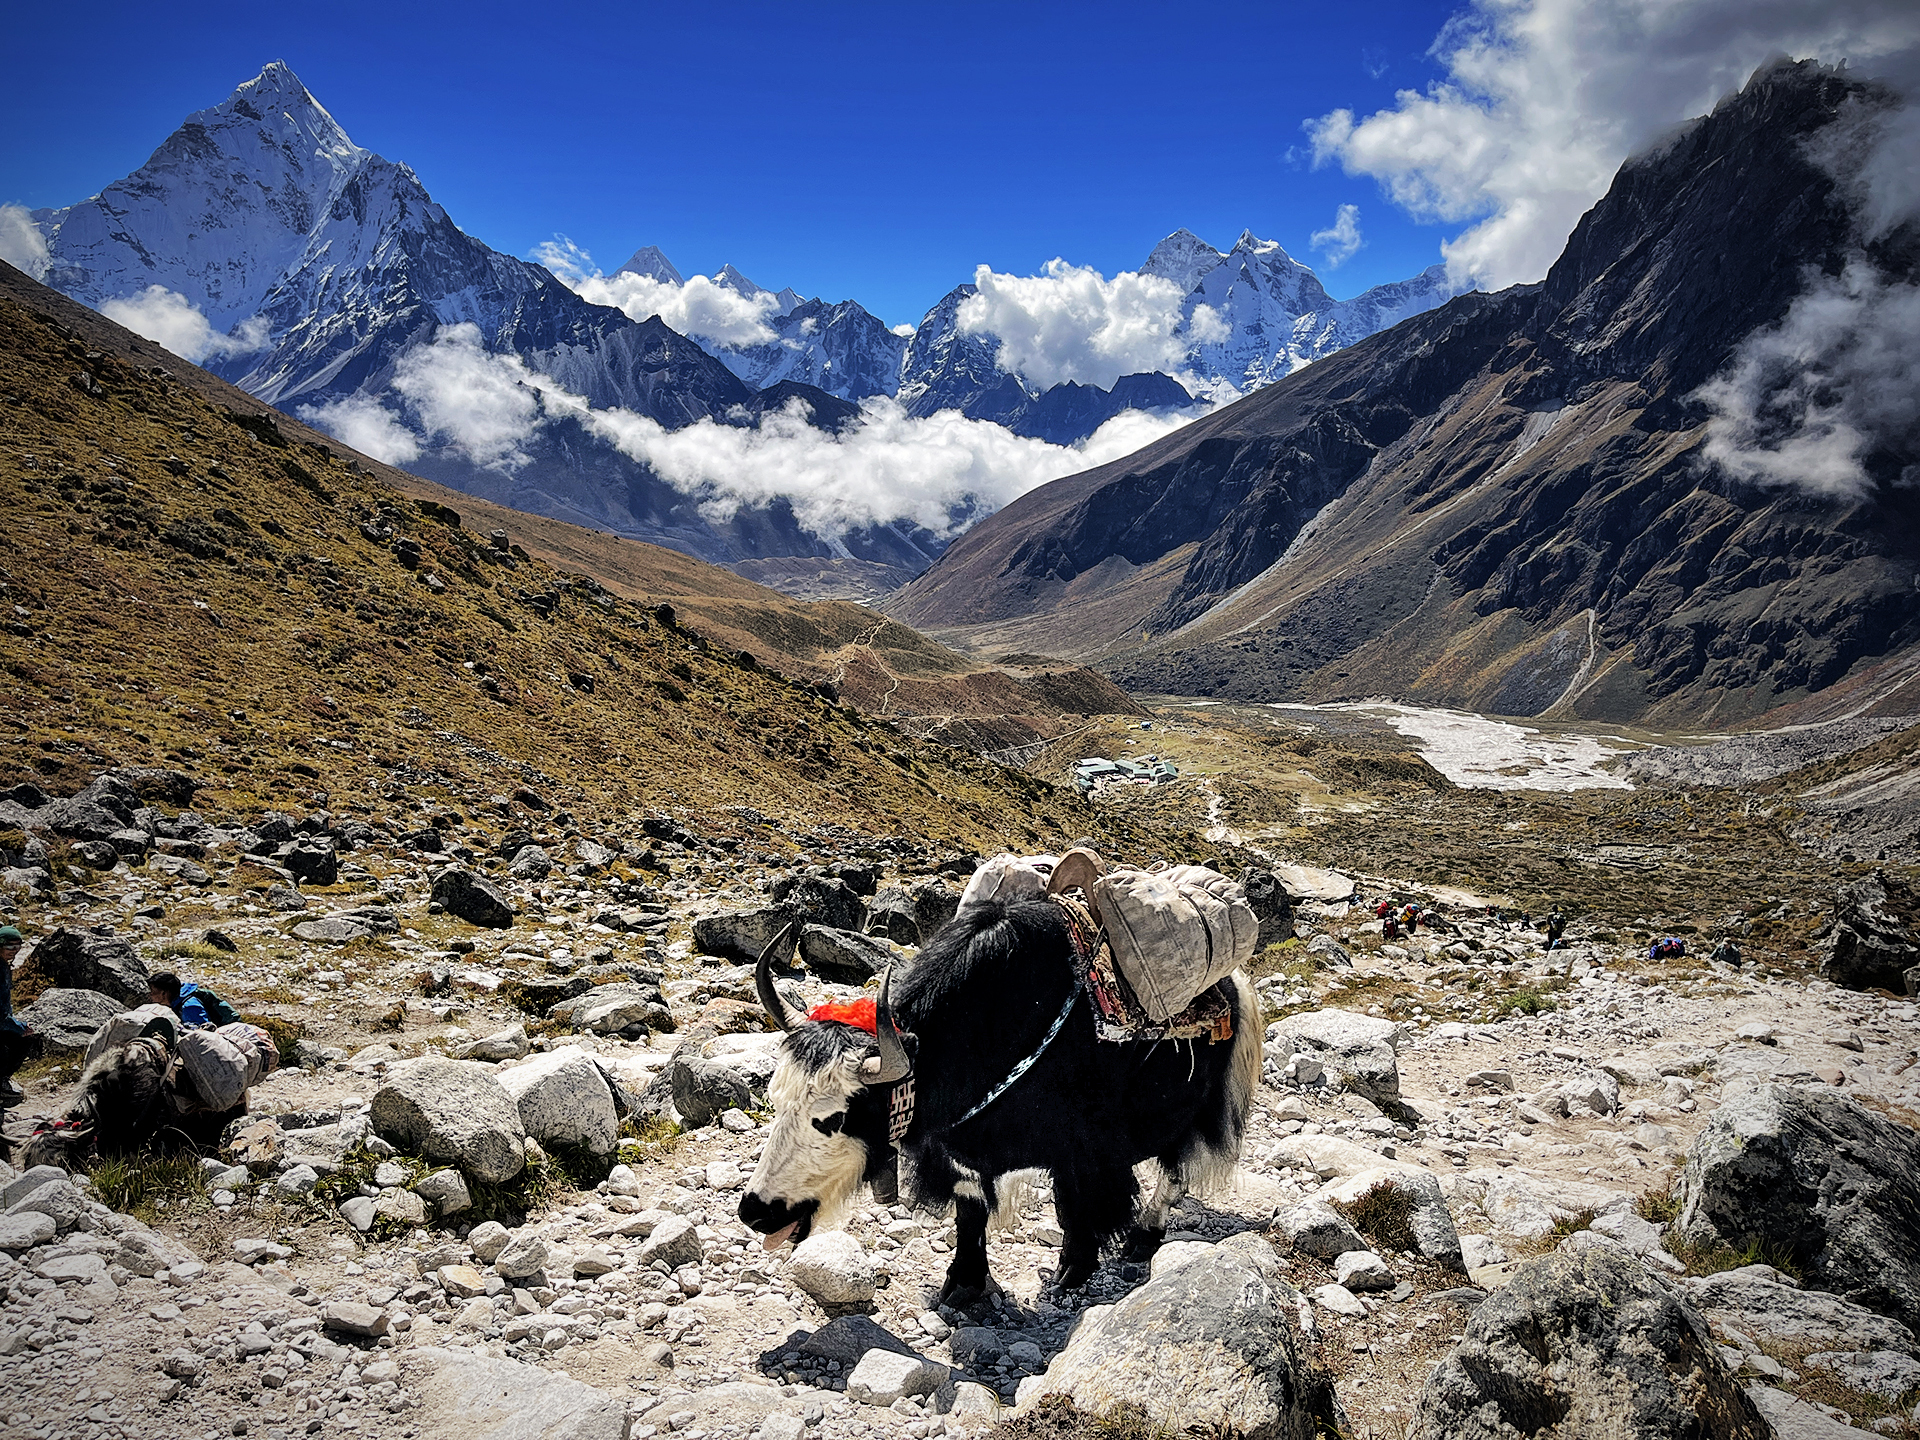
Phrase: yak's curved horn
{"type": "Point", "coordinates": [763, 978]}
{"type": "Point", "coordinates": [894, 1064]}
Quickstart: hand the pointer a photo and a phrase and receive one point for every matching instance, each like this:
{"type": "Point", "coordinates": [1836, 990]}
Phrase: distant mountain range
{"type": "Point", "coordinates": [1534, 502]}
{"type": "Point", "coordinates": [320, 267]}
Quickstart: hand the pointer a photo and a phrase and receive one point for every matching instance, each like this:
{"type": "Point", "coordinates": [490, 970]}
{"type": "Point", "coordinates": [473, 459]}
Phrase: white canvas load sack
{"type": "Point", "coordinates": [1174, 932]}
{"type": "Point", "coordinates": [256, 1047]}
{"type": "Point", "coordinates": [155, 1020]}
{"type": "Point", "coordinates": [1007, 878]}
{"type": "Point", "coordinates": [216, 1067]}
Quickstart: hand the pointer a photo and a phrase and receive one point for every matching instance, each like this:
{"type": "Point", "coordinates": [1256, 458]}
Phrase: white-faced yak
{"type": "Point", "coordinates": [980, 1060]}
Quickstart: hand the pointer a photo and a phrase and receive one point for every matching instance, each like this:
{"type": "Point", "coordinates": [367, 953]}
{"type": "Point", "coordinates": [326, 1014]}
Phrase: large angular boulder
{"type": "Point", "coordinates": [90, 960]}
{"type": "Point", "coordinates": [453, 1112]}
{"type": "Point", "coordinates": [506, 1400]}
{"type": "Point", "coordinates": [1272, 906]}
{"type": "Point", "coordinates": [704, 1090]}
{"type": "Point", "coordinates": [1875, 938]}
{"type": "Point", "coordinates": [818, 900]}
{"type": "Point", "coordinates": [1816, 1176]}
{"type": "Point", "coordinates": [99, 812]}
{"type": "Point", "coordinates": [1586, 1342]}
{"type": "Point", "coordinates": [843, 957]}
{"type": "Point", "coordinates": [741, 935]}
{"type": "Point", "coordinates": [462, 893]}
{"type": "Point", "coordinates": [1360, 1049]}
{"type": "Point", "coordinates": [564, 1100]}
{"type": "Point", "coordinates": [1760, 1302]}
{"type": "Point", "coordinates": [311, 860]}
{"type": "Point", "coordinates": [68, 1019]}
{"type": "Point", "coordinates": [1211, 1347]}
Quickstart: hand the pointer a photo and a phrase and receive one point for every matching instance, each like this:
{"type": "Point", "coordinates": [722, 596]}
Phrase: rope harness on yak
{"type": "Point", "coordinates": [1085, 935]}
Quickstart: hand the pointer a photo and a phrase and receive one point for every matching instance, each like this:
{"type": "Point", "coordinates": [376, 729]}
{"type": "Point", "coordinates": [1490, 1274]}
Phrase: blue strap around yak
{"type": "Point", "coordinates": [1027, 1064]}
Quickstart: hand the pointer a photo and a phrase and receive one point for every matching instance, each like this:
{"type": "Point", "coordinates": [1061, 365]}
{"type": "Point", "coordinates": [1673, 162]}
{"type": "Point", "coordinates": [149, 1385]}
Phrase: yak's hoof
{"type": "Point", "coordinates": [1142, 1243]}
{"type": "Point", "coordinates": [963, 1292]}
{"type": "Point", "coordinates": [1073, 1276]}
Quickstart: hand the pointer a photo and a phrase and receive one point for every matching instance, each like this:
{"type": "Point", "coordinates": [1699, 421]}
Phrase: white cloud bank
{"type": "Point", "coordinates": [169, 319]}
{"type": "Point", "coordinates": [1805, 402]}
{"type": "Point", "coordinates": [886, 466]}
{"type": "Point", "coordinates": [698, 307]}
{"type": "Point", "coordinates": [1072, 323]}
{"type": "Point", "coordinates": [1545, 98]}
{"type": "Point", "coordinates": [21, 243]}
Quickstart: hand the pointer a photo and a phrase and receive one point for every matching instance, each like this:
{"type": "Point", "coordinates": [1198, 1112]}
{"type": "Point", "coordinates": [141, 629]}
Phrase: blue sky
{"type": "Point", "coordinates": [852, 151]}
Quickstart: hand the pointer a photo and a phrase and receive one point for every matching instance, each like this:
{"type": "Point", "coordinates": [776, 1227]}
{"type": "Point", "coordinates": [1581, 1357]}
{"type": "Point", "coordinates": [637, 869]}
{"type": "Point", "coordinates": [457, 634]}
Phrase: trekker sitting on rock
{"type": "Point", "coordinates": [197, 1006]}
{"type": "Point", "coordinates": [16, 1040]}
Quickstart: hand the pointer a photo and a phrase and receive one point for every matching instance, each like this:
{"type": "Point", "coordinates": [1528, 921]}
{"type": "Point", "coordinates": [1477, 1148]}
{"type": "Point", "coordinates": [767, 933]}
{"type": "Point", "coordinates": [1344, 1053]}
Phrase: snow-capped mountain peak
{"type": "Point", "coordinates": [218, 212]}
{"type": "Point", "coordinates": [1184, 258]}
{"type": "Point", "coordinates": [649, 261]}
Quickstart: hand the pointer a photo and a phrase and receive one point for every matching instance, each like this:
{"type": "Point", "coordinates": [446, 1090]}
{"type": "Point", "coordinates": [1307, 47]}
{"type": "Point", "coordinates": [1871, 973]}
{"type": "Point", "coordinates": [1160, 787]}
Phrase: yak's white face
{"type": "Point", "coordinates": [811, 1164]}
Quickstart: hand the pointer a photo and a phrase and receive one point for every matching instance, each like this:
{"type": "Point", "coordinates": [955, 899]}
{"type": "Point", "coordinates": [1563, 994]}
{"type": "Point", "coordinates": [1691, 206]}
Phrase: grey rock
{"type": "Point", "coordinates": [330, 930]}
{"type": "Point", "coordinates": [523, 1255]}
{"type": "Point", "coordinates": [1316, 1228]}
{"type": "Point", "coordinates": [741, 935]}
{"type": "Point", "coordinates": [1885, 1373]}
{"type": "Point", "coordinates": [1211, 1347]}
{"type": "Point", "coordinates": [357, 1211]}
{"type": "Point", "coordinates": [703, 1090]}
{"type": "Point", "coordinates": [846, 1338]}
{"type": "Point", "coordinates": [1357, 1048]}
{"type": "Point", "coordinates": [976, 1346]}
{"type": "Point", "coordinates": [843, 957]}
{"type": "Point", "coordinates": [1794, 1419]}
{"type": "Point", "coordinates": [1362, 1270]}
{"type": "Point", "coordinates": [452, 1112]}
{"type": "Point", "coordinates": [609, 1009]}
{"type": "Point", "coordinates": [1272, 906]}
{"type": "Point", "coordinates": [310, 860]}
{"type": "Point", "coordinates": [481, 1398]}
{"type": "Point", "coordinates": [178, 867]}
{"type": "Point", "coordinates": [891, 914]}
{"type": "Point", "coordinates": [26, 1230]}
{"type": "Point", "coordinates": [833, 1268]}
{"type": "Point", "coordinates": [69, 1019]}
{"type": "Point", "coordinates": [820, 900]}
{"type": "Point", "coordinates": [487, 1240]}
{"type": "Point", "coordinates": [595, 856]}
{"type": "Point", "coordinates": [349, 1317]}
{"type": "Point", "coordinates": [1759, 1301]}
{"type": "Point", "coordinates": [674, 1241]}
{"type": "Point", "coordinates": [530, 862]}
{"type": "Point", "coordinates": [1873, 942]}
{"type": "Point", "coordinates": [883, 1377]}
{"type": "Point", "coordinates": [1592, 1093]}
{"type": "Point", "coordinates": [1586, 1342]}
{"type": "Point", "coordinates": [472, 899]}
{"type": "Point", "coordinates": [508, 1044]}
{"type": "Point", "coordinates": [1822, 1178]}
{"type": "Point", "coordinates": [83, 960]}
{"type": "Point", "coordinates": [401, 1206]}
{"type": "Point", "coordinates": [446, 1190]}
{"type": "Point", "coordinates": [935, 903]}
{"type": "Point", "coordinates": [564, 1100]}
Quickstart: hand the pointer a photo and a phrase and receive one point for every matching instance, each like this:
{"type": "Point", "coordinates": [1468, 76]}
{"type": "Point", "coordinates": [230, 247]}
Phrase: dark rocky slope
{"type": "Point", "coordinates": [1499, 504]}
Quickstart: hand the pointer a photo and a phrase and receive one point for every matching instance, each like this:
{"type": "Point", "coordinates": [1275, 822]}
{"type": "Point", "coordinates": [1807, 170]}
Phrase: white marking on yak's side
{"type": "Point", "coordinates": [798, 1162]}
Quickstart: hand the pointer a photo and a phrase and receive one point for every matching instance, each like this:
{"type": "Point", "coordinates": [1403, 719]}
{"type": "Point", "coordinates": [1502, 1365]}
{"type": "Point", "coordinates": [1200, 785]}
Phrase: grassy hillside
{"type": "Point", "coordinates": [194, 581]}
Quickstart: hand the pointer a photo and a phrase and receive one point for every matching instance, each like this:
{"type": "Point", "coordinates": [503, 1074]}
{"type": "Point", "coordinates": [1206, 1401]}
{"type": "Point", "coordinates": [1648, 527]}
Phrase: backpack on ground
{"type": "Point", "coordinates": [1174, 932]}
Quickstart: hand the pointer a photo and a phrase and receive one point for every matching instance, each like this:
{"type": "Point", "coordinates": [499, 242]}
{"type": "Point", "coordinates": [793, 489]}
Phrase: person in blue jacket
{"type": "Point", "coordinates": [197, 1006]}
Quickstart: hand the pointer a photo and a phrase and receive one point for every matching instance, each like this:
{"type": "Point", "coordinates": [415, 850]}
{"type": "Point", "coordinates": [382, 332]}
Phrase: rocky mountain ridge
{"type": "Point", "coordinates": [1500, 504]}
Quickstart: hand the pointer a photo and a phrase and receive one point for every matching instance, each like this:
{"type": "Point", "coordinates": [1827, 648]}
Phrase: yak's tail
{"type": "Point", "coordinates": [1208, 1165]}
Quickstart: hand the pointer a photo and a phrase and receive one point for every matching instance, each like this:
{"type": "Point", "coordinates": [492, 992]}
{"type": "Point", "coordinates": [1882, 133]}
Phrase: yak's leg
{"type": "Point", "coordinates": [1150, 1230]}
{"type": "Point", "coordinates": [1091, 1209]}
{"type": "Point", "coordinates": [967, 1275]}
